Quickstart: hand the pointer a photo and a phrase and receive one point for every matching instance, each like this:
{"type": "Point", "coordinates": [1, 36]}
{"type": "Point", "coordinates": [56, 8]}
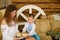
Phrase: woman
{"type": "Point", "coordinates": [9, 26]}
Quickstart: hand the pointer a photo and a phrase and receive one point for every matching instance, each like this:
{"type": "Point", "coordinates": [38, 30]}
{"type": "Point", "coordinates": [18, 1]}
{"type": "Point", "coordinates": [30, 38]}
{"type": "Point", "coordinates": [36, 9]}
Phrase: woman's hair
{"type": "Point", "coordinates": [8, 11]}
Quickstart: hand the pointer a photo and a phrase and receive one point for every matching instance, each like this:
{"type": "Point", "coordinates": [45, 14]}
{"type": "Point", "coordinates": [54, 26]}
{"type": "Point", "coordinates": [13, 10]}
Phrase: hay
{"type": "Point", "coordinates": [54, 23]}
{"type": "Point", "coordinates": [43, 26]}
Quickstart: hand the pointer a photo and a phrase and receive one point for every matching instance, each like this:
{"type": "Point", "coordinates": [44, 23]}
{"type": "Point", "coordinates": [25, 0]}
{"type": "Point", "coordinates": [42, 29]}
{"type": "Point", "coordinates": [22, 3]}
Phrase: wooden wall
{"type": "Point", "coordinates": [49, 6]}
{"type": "Point", "coordinates": [4, 3]}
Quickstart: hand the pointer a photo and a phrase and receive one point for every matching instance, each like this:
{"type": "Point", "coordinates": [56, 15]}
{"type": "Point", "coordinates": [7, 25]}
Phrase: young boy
{"type": "Point", "coordinates": [30, 27]}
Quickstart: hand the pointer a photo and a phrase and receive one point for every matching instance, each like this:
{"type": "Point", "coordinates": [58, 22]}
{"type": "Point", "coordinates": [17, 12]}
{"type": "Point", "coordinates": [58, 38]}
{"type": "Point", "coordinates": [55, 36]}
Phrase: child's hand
{"type": "Point", "coordinates": [18, 34]}
{"type": "Point", "coordinates": [25, 35]}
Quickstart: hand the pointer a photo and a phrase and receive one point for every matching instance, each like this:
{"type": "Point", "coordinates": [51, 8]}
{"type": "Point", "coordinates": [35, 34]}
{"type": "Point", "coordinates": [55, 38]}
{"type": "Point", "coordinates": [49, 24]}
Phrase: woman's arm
{"type": "Point", "coordinates": [4, 28]}
{"type": "Point", "coordinates": [3, 21]}
{"type": "Point", "coordinates": [3, 25]}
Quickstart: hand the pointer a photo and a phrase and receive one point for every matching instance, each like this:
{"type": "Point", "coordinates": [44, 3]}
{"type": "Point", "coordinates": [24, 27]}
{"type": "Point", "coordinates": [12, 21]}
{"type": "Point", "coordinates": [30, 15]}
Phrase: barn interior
{"type": "Point", "coordinates": [50, 22]}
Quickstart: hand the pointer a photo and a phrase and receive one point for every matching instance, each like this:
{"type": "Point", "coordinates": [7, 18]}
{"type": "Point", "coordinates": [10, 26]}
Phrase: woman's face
{"type": "Point", "coordinates": [13, 13]}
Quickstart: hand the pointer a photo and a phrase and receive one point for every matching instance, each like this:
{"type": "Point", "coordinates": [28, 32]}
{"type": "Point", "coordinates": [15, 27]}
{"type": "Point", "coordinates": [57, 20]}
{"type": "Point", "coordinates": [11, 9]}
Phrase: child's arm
{"type": "Point", "coordinates": [33, 29]}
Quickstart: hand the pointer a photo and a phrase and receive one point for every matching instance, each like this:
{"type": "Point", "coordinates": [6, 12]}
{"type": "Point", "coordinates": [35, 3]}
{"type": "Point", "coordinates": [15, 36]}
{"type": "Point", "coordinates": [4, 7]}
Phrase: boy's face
{"type": "Point", "coordinates": [30, 19]}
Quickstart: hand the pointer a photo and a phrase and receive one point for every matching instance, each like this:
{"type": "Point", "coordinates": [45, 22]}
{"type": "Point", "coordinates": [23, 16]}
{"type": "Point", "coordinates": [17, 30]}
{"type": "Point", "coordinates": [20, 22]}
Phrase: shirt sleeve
{"type": "Point", "coordinates": [33, 29]}
{"type": "Point", "coordinates": [24, 29]}
{"type": "Point", "coordinates": [4, 30]}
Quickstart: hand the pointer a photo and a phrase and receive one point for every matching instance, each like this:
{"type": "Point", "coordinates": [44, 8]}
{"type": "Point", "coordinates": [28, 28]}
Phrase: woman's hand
{"type": "Point", "coordinates": [14, 39]}
{"type": "Point", "coordinates": [18, 38]}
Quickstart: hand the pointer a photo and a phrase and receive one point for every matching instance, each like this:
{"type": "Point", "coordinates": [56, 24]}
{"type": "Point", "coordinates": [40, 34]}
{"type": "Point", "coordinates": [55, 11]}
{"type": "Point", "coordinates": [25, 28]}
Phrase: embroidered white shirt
{"type": "Point", "coordinates": [8, 33]}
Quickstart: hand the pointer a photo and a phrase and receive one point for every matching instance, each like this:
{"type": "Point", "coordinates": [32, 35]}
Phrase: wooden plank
{"type": "Point", "coordinates": [30, 0]}
{"type": "Point", "coordinates": [40, 5]}
{"type": "Point", "coordinates": [45, 9]}
{"type": "Point", "coordinates": [49, 6]}
{"type": "Point", "coordinates": [35, 1]}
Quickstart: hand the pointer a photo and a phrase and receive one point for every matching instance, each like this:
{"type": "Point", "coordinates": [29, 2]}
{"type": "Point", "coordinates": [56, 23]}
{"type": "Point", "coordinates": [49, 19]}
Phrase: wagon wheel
{"type": "Point", "coordinates": [30, 7]}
